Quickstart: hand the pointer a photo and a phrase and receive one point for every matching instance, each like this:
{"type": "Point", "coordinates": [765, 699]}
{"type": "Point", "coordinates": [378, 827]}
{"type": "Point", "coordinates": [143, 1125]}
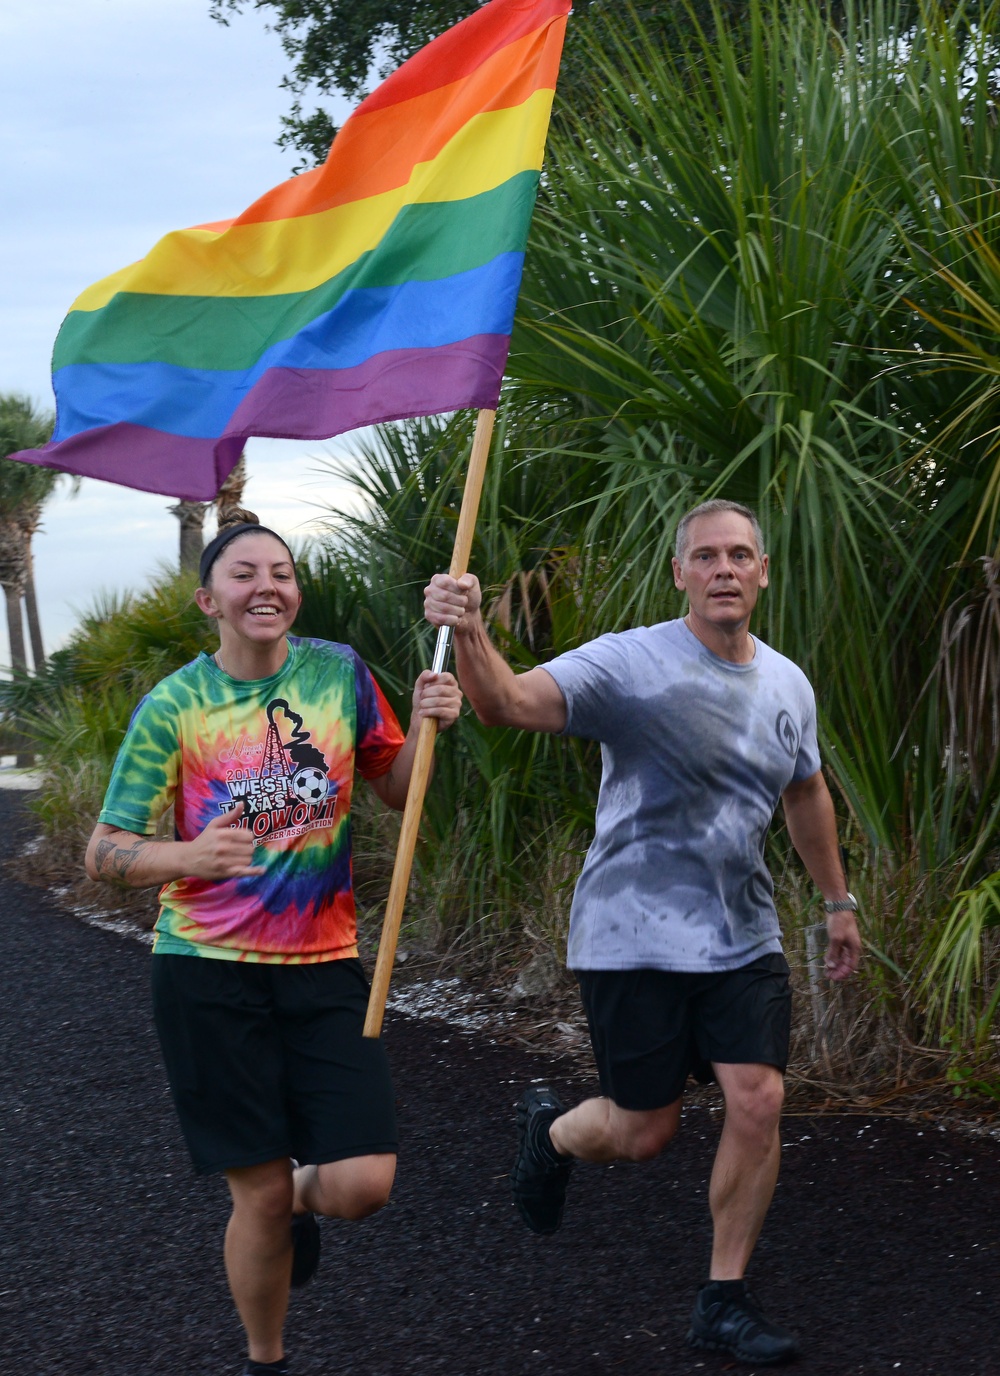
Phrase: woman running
{"type": "Point", "coordinates": [258, 994]}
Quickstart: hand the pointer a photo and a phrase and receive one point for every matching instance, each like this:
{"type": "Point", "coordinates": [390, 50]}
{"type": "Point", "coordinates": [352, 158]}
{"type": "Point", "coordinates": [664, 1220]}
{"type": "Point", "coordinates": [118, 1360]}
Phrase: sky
{"type": "Point", "coordinates": [121, 120]}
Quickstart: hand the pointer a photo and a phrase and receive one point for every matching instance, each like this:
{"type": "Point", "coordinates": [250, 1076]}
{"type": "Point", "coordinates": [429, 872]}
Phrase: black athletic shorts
{"type": "Point", "coordinates": [650, 1029]}
{"type": "Point", "coordinates": [267, 1061]}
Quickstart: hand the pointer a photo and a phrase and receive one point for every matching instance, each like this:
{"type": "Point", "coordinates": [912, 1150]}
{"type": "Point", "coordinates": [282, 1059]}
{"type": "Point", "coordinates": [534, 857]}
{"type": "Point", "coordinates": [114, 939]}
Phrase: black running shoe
{"type": "Point", "coordinates": [731, 1322]}
{"type": "Point", "coordinates": [305, 1248]}
{"type": "Point", "coordinates": [540, 1174]}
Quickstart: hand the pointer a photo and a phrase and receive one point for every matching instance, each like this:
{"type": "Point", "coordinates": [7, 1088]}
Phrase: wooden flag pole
{"type": "Point", "coordinates": [425, 740]}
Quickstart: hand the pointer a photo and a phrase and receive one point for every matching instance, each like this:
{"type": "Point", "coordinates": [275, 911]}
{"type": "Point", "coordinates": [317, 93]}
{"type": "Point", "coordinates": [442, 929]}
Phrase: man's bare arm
{"type": "Point", "coordinates": [812, 825]}
{"type": "Point", "coordinates": [222, 851]}
{"type": "Point", "coordinates": [499, 697]}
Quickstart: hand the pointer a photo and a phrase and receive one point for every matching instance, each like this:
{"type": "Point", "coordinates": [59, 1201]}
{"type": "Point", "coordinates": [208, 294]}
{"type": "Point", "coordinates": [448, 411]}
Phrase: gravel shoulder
{"type": "Point", "coordinates": [880, 1248]}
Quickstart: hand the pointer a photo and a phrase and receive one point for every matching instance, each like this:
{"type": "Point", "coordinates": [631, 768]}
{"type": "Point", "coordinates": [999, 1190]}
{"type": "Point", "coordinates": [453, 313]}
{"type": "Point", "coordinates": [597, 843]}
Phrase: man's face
{"type": "Point", "coordinates": [722, 571]}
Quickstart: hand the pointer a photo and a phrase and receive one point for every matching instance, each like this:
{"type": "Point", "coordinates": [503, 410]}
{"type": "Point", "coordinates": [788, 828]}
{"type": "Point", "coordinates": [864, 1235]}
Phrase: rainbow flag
{"type": "Point", "coordinates": [378, 286]}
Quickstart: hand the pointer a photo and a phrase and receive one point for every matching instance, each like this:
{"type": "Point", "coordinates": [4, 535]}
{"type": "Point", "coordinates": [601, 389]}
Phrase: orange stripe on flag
{"type": "Point", "coordinates": [377, 152]}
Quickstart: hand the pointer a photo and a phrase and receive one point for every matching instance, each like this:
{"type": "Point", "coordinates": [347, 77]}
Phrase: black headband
{"type": "Point", "coordinates": [215, 547]}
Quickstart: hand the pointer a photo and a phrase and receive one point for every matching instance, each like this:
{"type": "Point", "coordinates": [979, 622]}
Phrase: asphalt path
{"type": "Point", "coordinates": [880, 1249]}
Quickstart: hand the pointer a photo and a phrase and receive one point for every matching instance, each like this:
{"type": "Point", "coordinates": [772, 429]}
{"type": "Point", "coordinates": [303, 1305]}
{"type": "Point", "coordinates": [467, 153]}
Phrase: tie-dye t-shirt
{"type": "Point", "coordinates": [696, 752]}
{"type": "Point", "coordinates": [287, 747]}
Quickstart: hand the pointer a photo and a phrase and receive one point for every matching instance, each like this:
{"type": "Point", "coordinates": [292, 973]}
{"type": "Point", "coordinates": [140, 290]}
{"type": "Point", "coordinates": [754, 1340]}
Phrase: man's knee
{"type": "Point", "coordinates": [755, 1097]}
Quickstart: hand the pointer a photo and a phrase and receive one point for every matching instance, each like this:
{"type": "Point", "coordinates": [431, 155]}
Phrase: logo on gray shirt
{"type": "Point", "coordinates": [787, 733]}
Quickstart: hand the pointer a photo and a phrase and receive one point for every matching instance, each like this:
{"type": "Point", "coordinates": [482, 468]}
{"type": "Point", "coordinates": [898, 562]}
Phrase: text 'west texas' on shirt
{"type": "Point", "coordinates": [287, 747]}
{"type": "Point", "coordinates": [696, 754]}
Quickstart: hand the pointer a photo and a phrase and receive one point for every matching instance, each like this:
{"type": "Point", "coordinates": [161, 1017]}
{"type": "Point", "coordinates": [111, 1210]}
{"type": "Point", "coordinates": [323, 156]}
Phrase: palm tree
{"type": "Point", "coordinates": [191, 516]}
{"type": "Point", "coordinates": [230, 494]}
{"type": "Point", "coordinates": [13, 578]}
{"type": "Point", "coordinates": [24, 489]}
{"type": "Point", "coordinates": [31, 519]}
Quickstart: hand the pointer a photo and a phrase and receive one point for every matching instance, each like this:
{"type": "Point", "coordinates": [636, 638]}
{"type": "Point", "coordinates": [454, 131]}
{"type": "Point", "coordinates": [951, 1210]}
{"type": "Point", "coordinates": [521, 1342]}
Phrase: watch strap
{"type": "Point", "coordinates": [841, 905]}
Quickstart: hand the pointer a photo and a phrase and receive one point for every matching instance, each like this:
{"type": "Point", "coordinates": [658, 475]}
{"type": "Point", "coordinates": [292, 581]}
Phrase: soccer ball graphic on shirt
{"type": "Point", "coordinates": [310, 785]}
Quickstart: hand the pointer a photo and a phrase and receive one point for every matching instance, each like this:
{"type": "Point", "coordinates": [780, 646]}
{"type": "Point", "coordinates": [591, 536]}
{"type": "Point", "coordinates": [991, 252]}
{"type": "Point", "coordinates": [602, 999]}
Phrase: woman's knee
{"type": "Point", "coordinates": [356, 1188]}
{"type": "Point", "coordinates": [642, 1136]}
{"type": "Point", "coordinates": [264, 1190]}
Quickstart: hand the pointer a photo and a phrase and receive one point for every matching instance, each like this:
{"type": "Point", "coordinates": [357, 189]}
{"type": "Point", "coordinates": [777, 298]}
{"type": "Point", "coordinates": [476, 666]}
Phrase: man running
{"type": "Point", "coordinates": [674, 937]}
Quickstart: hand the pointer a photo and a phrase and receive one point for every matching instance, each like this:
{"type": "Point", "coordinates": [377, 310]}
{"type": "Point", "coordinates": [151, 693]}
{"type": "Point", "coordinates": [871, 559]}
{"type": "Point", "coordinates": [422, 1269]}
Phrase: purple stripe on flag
{"type": "Point", "coordinates": [289, 403]}
{"type": "Point", "coordinates": [150, 460]}
{"type": "Point", "coordinates": [316, 403]}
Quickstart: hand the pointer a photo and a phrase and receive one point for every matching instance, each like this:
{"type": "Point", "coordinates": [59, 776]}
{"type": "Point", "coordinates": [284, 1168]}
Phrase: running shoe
{"type": "Point", "coordinates": [726, 1321]}
{"type": "Point", "coordinates": [540, 1175]}
{"type": "Point", "coordinates": [305, 1248]}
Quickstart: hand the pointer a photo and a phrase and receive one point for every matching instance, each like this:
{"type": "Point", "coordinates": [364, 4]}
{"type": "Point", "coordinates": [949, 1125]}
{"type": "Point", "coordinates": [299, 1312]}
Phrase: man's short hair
{"type": "Point", "coordinates": [712, 508]}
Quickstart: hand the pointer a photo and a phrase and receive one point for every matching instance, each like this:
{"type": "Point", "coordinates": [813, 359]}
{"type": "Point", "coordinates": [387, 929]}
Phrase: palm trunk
{"type": "Point", "coordinates": [13, 569]}
{"type": "Point", "coordinates": [15, 628]}
{"type": "Point", "coordinates": [18, 659]}
{"type": "Point", "coordinates": [31, 611]}
{"type": "Point", "coordinates": [230, 494]}
{"type": "Point", "coordinates": [192, 518]}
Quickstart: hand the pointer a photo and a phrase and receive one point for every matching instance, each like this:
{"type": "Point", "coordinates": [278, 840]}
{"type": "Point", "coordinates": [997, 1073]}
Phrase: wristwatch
{"type": "Point", "coordinates": [841, 905]}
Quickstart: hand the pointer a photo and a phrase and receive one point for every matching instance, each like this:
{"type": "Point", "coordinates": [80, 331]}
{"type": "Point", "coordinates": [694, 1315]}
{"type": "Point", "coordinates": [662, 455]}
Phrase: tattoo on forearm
{"type": "Point", "coordinates": [113, 861]}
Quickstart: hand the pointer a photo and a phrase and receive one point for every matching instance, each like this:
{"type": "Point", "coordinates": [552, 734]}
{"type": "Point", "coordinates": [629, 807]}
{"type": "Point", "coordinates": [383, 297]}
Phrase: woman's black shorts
{"type": "Point", "coordinates": [650, 1029]}
{"type": "Point", "coordinates": [267, 1061]}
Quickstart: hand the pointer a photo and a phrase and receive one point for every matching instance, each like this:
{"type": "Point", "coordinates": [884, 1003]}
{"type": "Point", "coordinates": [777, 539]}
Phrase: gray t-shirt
{"type": "Point", "coordinates": [696, 753]}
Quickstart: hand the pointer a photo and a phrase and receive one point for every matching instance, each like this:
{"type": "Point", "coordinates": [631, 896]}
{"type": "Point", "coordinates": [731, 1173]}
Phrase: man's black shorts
{"type": "Point", "coordinates": [650, 1029]}
{"type": "Point", "coordinates": [267, 1061]}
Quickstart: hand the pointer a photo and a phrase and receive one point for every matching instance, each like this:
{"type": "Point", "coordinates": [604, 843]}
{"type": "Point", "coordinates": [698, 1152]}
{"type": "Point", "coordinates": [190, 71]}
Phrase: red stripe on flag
{"type": "Point", "coordinates": [461, 49]}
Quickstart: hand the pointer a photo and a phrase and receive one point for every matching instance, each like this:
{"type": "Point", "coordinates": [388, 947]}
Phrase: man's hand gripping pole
{"type": "Point", "coordinates": [424, 753]}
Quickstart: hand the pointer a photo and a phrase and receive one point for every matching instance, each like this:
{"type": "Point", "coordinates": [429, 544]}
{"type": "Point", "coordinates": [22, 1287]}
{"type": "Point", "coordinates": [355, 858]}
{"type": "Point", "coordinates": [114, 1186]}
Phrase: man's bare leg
{"type": "Point", "coordinates": [258, 1253]}
{"type": "Point", "coordinates": [599, 1131]}
{"type": "Point", "coordinates": [746, 1164]}
{"type": "Point", "coordinates": [549, 1140]}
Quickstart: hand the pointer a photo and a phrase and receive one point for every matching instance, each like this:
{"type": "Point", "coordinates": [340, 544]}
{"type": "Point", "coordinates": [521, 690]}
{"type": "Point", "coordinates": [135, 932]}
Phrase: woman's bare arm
{"type": "Point", "coordinates": [222, 851]}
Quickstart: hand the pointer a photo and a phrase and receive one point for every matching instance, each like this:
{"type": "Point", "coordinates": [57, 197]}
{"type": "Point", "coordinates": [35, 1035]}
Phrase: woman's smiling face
{"type": "Point", "coordinates": [252, 590]}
